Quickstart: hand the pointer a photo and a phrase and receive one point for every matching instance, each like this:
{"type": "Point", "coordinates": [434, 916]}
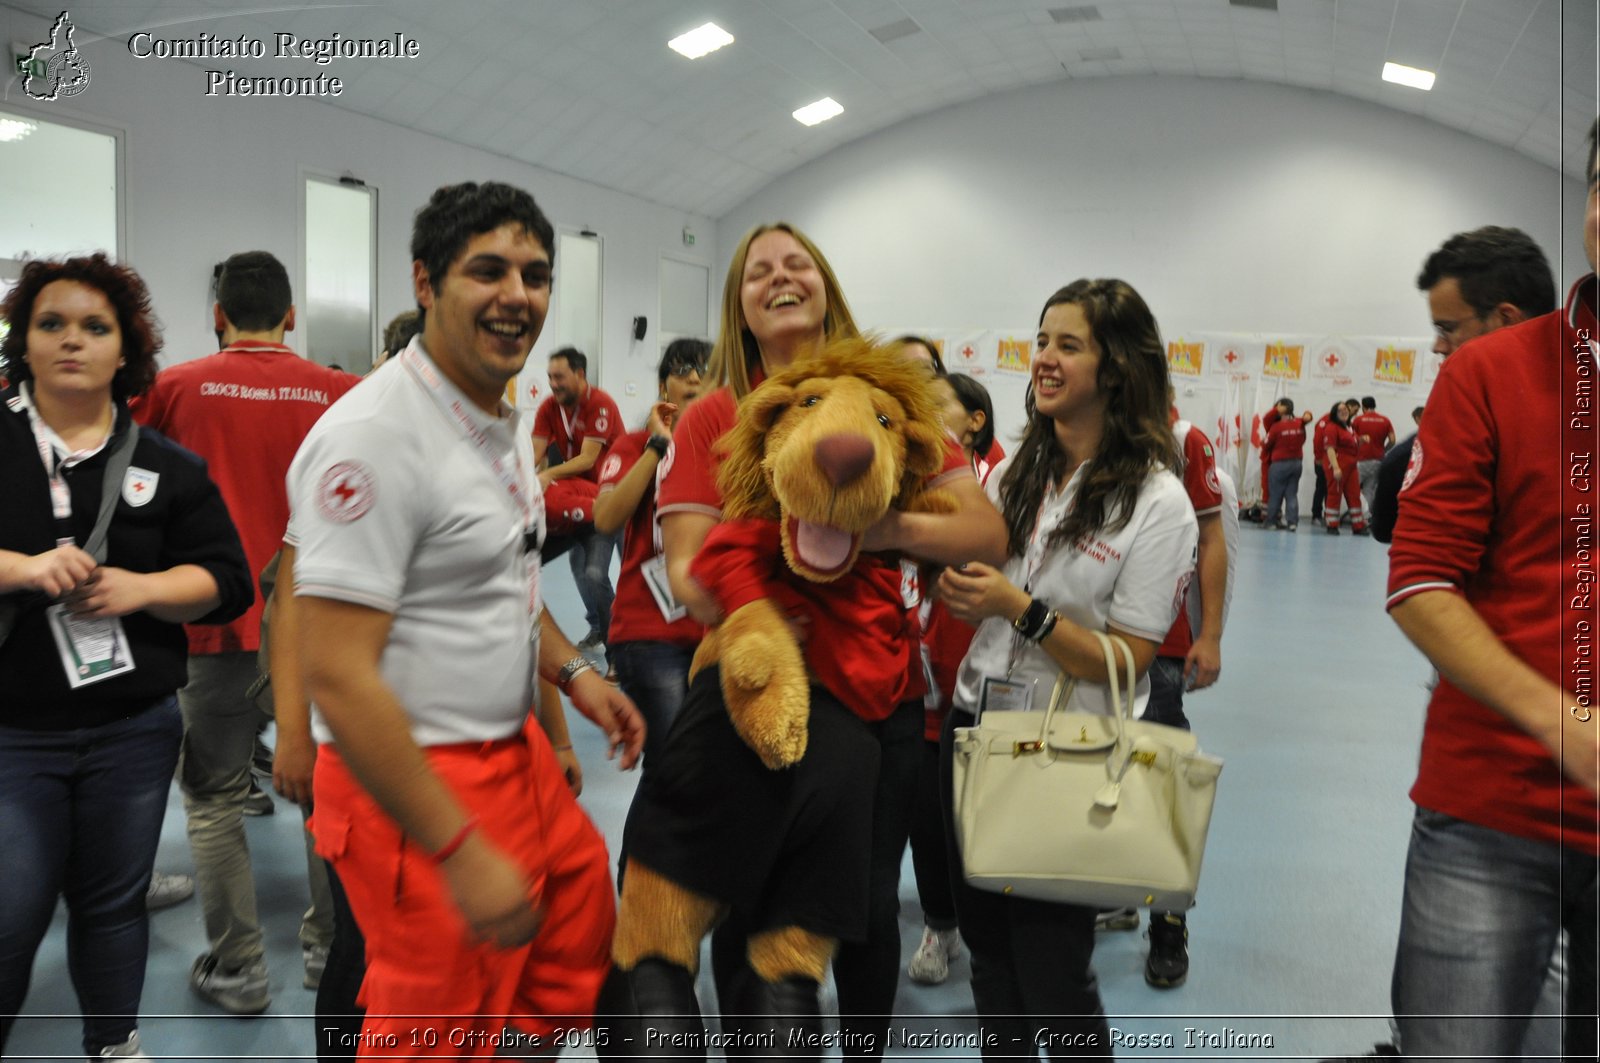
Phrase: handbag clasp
{"type": "Point", "coordinates": [1019, 748]}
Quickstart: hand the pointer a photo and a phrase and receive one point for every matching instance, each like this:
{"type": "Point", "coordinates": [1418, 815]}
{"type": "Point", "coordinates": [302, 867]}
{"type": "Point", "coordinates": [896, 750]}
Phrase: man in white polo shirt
{"type": "Point", "coordinates": [417, 523]}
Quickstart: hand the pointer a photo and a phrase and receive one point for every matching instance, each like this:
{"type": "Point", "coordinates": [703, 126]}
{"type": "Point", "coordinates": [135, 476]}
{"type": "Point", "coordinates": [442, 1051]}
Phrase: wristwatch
{"type": "Point", "coordinates": [570, 671]}
{"type": "Point", "coordinates": [659, 444]}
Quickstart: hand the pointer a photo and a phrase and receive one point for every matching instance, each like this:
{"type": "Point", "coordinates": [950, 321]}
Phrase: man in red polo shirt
{"type": "Point", "coordinates": [580, 422]}
{"type": "Point", "coordinates": [245, 411]}
{"type": "Point", "coordinates": [1491, 575]}
{"type": "Point", "coordinates": [1374, 435]}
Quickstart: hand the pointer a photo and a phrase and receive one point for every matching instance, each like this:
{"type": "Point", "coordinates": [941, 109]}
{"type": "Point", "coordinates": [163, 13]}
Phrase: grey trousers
{"type": "Point", "coordinates": [214, 772]}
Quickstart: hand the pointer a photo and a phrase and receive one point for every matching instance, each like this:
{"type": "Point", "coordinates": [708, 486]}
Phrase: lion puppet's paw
{"type": "Point", "coordinates": [764, 682]}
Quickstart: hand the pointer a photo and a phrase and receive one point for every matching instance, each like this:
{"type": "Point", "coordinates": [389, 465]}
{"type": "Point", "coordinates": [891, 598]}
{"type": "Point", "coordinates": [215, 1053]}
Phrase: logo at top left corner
{"type": "Point", "coordinates": [55, 69]}
{"type": "Point", "coordinates": [346, 491]}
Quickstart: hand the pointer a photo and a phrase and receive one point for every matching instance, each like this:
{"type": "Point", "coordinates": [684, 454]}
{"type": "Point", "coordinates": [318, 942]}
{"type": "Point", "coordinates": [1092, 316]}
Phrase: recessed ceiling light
{"type": "Point", "coordinates": [821, 111]}
{"type": "Point", "coordinates": [895, 30]}
{"type": "Point", "coordinates": [702, 41]}
{"type": "Point", "coordinates": [1409, 76]}
{"type": "Point", "coordinates": [15, 128]}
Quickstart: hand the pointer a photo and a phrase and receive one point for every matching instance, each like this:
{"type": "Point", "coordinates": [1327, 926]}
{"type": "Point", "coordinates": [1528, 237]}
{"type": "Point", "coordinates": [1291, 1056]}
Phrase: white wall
{"type": "Point", "coordinates": [1232, 206]}
{"type": "Point", "coordinates": [206, 177]}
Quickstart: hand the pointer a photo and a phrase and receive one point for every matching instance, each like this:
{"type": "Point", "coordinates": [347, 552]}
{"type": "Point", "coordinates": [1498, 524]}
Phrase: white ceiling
{"type": "Point", "coordinates": [589, 89]}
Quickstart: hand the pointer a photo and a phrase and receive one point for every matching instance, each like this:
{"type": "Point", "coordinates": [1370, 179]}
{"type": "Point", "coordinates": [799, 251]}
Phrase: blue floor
{"type": "Point", "coordinates": [1318, 715]}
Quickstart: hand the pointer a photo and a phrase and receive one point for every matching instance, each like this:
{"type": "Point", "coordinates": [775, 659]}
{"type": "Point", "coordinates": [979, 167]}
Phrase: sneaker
{"type": "Point", "coordinates": [611, 675]}
{"type": "Point", "coordinates": [129, 1049]}
{"type": "Point", "coordinates": [1167, 966]}
{"type": "Point", "coordinates": [1291, 527]}
{"type": "Point", "coordinates": [1333, 529]}
{"type": "Point", "coordinates": [167, 890]}
{"type": "Point", "coordinates": [316, 961]}
{"type": "Point", "coordinates": [258, 802]}
{"type": "Point", "coordinates": [243, 992]}
{"type": "Point", "coordinates": [930, 965]}
{"type": "Point", "coordinates": [1117, 919]}
{"type": "Point", "coordinates": [1361, 532]}
{"type": "Point", "coordinates": [593, 641]}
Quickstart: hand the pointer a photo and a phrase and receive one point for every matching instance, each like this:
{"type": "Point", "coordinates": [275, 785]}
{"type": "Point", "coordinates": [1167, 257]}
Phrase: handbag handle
{"type": "Point", "coordinates": [1121, 711]}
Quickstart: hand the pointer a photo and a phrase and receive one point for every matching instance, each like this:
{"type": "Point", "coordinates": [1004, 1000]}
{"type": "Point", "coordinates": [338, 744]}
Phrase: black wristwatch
{"type": "Point", "coordinates": [659, 444]}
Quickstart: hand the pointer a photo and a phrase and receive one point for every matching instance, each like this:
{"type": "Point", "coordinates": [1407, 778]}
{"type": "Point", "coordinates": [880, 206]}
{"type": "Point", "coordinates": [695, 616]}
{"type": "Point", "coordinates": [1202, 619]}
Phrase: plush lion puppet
{"type": "Point", "coordinates": [820, 453]}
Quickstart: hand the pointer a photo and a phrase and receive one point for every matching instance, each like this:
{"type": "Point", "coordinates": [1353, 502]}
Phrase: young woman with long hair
{"type": "Point", "coordinates": [782, 303]}
{"type": "Point", "coordinates": [1101, 537]}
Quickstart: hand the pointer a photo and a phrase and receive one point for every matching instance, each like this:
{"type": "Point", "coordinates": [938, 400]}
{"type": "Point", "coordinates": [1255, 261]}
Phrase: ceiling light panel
{"type": "Point", "coordinates": [1084, 13]}
{"type": "Point", "coordinates": [700, 41]}
{"type": "Point", "coordinates": [1408, 76]}
{"type": "Point", "coordinates": [895, 30]}
{"type": "Point", "coordinates": [821, 111]}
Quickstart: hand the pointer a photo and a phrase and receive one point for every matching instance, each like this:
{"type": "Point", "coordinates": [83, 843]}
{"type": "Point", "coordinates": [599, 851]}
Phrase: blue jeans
{"type": "Point", "coordinates": [656, 676]}
{"type": "Point", "coordinates": [80, 818]}
{"type": "Point", "coordinates": [1481, 916]}
{"type": "Point", "coordinates": [591, 570]}
{"type": "Point", "coordinates": [1283, 491]}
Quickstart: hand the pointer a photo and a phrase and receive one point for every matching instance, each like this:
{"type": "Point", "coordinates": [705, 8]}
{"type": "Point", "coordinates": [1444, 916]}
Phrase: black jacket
{"type": "Point", "coordinates": [185, 521]}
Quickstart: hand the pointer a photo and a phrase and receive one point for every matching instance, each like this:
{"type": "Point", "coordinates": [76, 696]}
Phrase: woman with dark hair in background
{"type": "Point", "coordinates": [1339, 445]}
{"type": "Point", "coordinates": [1102, 537]}
{"type": "Point", "coordinates": [93, 644]}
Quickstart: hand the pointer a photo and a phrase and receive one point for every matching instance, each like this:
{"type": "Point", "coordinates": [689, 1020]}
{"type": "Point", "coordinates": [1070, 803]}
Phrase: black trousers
{"type": "Point", "coordinates": [1033, 985]}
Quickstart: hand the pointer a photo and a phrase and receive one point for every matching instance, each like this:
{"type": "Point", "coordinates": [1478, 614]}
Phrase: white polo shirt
{"type": "Point", "coordinates": [1133, 578]}
{"type": "Point", "coordinates": [395, 508]}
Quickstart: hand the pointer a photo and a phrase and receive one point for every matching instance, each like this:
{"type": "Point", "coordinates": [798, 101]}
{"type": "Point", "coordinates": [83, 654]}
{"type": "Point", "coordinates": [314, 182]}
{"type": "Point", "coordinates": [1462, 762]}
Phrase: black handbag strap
{"type": "Point", "coordinates": [110, 488]}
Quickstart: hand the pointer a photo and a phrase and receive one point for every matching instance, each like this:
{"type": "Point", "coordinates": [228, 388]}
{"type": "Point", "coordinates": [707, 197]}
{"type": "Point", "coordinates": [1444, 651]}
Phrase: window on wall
{"type": "Point", "coordinates": [59, 190]}
{"type": "Point", "coordinates": [337, 309]}
{"type": "Point", "coordinates": [578, 276]}
{"type": "Point", "coordinates": [684, 288]}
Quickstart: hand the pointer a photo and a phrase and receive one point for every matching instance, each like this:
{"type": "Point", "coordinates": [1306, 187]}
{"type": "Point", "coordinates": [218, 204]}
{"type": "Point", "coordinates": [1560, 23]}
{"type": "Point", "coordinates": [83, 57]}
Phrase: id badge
{"type": "Point", "coordinates": [90, 649]}
{"type": "Point", "coordinates": [1006, 695]}
{"type": "Point", "coordinates": [655, 577]}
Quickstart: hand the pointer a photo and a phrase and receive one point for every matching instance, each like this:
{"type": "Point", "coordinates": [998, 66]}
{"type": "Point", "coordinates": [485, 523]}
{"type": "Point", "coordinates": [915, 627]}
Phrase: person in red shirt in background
{"type": "Point", "coordinates": [652, 638]}
{"type": "Point", "coordinates": [1283, 458]}
{"type": "Point", "coordinates": [582, 422]}
{"type": "Point", "coordinates": [1374, 435]}
{"type": "Point", "coordinates": [968, 415]}
{"type": "Point", "coordinates": [1339, 445]}
{"type": "Point", "coordinates": [245, 410]}
{"type": "Point", "coordinates": [1185, 661]}
{"type": "Point", "coordinates": [1319, 459]}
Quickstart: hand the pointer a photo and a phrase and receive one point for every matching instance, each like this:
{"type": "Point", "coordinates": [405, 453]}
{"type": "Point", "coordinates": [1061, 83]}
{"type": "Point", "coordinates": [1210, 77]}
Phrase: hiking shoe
{"type": "Point", "coordinates": [1167, 966]}
{"type": "Point", "coordinates": [167, 890]}
{"type": "Point", "coordinates": [316, 961]}
{"type": "Point", "coordinates": [129, 1049]}
{"type": "Point", "coordinates": [930, 965]}
{"type": "Point", "coordinates": [243, 992]}
{"type": "Point", "coordinates": [258, 802]}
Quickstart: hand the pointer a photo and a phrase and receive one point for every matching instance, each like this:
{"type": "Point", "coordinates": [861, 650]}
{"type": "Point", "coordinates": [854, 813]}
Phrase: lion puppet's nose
{"type": "Point", "coordinates": [844, 457]}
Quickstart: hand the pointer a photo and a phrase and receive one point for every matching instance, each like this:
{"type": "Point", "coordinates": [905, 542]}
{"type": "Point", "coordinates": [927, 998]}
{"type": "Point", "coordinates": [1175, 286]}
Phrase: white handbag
{"type": "Point", "coordinates": [1081, 808]}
